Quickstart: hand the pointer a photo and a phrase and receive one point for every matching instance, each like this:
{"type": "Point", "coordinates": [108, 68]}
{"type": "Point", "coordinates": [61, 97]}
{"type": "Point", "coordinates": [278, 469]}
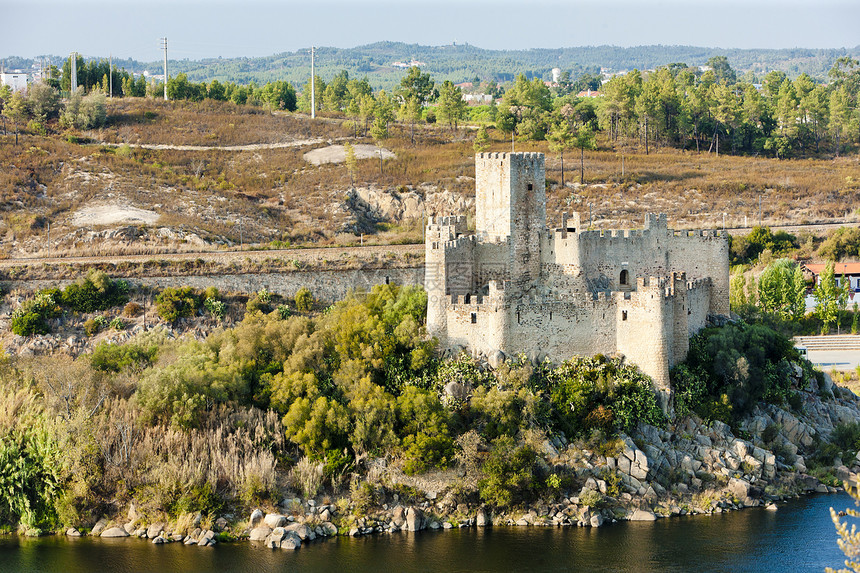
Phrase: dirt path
{"type": "Point", "coordinates": [248, 147]}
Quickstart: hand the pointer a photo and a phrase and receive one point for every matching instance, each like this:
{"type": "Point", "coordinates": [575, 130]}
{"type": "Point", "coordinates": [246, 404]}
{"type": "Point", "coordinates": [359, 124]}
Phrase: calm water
{"type": "Point", "coordinates": [798, 537]}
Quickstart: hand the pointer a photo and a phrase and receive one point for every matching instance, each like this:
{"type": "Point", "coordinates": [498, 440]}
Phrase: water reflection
{"type": "Point", "coordinates": [799, 537]}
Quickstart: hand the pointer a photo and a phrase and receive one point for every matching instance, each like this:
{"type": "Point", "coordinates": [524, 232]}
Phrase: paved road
{"type": "Point", "coordinates": [828, 360]}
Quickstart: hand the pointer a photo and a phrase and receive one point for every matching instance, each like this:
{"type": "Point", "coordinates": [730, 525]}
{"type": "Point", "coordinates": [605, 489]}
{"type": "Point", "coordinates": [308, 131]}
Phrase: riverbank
{"type": "Point", "coordinates": [689, 468]}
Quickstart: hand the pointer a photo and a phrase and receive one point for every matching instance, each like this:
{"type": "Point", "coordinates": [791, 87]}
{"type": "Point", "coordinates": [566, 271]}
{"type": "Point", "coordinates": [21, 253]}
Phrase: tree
{"type": "Point", "coordinates": [452, 106]}
{"type": "Point", "coordinates": [482, 141]}
{"type": "Point", "coordinates": [44, 101]}
{"type": "Point", "coordinates": [350, 162]}
{"type": "Point", "coordinates": [18, 111]}
{"type": "Point", "coordinates": [722, 69]}
{"type": "Point", "coordinates": [561, 138]}
{"type": "Point", "coordinates": [418, 86]}
{"type": "Point", "coordinates": [584, 140]}
{"type": "Point", "coordinates": [827, 296]}
{"type": "Point", "coordinates": [411, 111]}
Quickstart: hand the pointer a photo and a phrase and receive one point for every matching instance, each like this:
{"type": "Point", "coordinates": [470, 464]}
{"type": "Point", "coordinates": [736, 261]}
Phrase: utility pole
{"type": "Point", "coordinates": [313, 87]}
{"type": "Point", "coordinates": [164, 47]}
{"type": "Point", "coordinates": [73, 87]}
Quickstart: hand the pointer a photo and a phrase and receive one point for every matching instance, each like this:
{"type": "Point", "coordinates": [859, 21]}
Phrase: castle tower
{"type": "Point", "coordinates": [510, 203]}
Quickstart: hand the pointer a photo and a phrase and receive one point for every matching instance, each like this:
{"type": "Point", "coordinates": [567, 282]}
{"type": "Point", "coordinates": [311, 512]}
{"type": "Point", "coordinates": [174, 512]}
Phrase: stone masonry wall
{"type": "Point", "coordinates": [328, 286]}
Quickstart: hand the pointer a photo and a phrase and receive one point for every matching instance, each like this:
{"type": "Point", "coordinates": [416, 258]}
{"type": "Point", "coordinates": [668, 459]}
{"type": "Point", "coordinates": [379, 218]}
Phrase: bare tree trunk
{"type": "Point", "coordinates": [582, 165]}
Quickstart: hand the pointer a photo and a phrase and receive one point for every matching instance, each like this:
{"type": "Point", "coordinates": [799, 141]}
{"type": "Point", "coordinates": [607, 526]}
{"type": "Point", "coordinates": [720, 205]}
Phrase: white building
{"type": "Point", "coordinates": [16, 80]}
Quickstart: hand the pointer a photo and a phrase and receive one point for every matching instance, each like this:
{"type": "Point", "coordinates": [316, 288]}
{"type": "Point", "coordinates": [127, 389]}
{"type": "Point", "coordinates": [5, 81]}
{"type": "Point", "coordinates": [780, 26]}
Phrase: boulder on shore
{"type": "Point", "coordinates": [114, 532]}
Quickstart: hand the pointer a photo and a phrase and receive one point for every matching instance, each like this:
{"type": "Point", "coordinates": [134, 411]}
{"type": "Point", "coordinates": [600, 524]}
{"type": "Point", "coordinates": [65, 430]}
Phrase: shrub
{"type": "Point", "coordinates": [216, 308]}
{"type": "Point", "coordinates": [95, 292]}
{"type": "Point", "coordinates": [32, 316]}
{"type": "Point", "coordinates": [93, 325]}
{"type": "Point", "coordinates": [304, 300]}
{"type": "Point", "coordinates": [509, 473]}
{"type": "Point", "coordinates": [307, 476]}
{"type": "Point", "coordinates": [131, 310]}
{"type": "Point", "coordinates": [119, 357]}
{"type": "Point", "coordinates": [424, 452]}
{"type": "Point", "coordinates": [174, 303]}
{"type": "Point", "coordinates": [117, 323]}
{"type": "Point", "coordinates": [283, 311]}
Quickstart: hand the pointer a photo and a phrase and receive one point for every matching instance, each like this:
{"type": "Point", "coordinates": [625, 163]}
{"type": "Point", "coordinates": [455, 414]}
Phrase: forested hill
{"type": "Point", "coordinates": [462, 62]}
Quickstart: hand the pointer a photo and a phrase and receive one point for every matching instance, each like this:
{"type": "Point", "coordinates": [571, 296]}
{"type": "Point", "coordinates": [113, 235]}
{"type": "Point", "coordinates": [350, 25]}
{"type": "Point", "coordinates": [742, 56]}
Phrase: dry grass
{"type": "Point", "coordinates": [256, 197]}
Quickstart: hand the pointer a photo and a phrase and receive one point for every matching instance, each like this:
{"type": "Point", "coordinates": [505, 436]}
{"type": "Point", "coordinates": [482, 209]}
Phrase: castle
{"type": "Point", "coordinates": [516, 286]}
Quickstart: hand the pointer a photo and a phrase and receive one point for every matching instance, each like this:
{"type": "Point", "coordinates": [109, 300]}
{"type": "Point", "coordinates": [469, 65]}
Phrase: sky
{"type": "Point", "coordinates": [199, 29]}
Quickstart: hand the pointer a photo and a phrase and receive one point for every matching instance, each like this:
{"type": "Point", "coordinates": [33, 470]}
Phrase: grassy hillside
{"type": "Point", "coordinates": [205, 199]}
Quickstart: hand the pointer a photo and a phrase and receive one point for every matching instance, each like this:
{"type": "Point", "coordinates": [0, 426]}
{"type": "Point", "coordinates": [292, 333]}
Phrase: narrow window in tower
{"type": "Point", "coordinates": [530, 187]}
{"type": "Point", "coordinates": [623, 315]}
{"type": "Point", "coordinates": [474, 318]}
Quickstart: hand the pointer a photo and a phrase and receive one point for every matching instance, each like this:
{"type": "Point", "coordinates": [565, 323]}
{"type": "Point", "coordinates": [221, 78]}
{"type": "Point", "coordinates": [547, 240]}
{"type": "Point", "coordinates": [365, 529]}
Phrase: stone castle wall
{"type": "Point", "coordinates": [564, 291]}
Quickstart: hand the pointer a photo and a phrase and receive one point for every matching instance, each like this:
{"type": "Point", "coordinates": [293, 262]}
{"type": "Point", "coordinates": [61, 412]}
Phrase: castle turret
{"type": "Point", "coordinates": [510, 203]}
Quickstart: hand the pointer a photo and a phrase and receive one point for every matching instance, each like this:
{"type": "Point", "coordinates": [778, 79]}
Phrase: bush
{"type": "Point", "coordinates": [304, 300]}
{"type": "Point", "coordinates": [174, 303]}
{"type": "Point", "coordinates": [93, 325]}
{"type": "Point", "coordinates": [95, 292]}
{"type": "Point", "coordinates": [119, 357]}
{"type": "Point", "coordinates": [117, 323]}
{"type": "Point", "coordinates": [601, 394]}
{"type": "Point", "coordinates": [132, 310]}
{"type": "Point", "coordinates": [509, 473]}
{"type": "Point", "coordinates": [216, 308]}
{"type": "Point", "coordinates": [32, 316]}
{"type": "Point", "coordinates": [424, 452]}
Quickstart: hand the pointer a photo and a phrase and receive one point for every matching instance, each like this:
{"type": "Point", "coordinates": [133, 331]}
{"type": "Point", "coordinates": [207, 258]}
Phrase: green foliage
{"type": "Point", "coordinates": [33, 315]}
{"type": "Point", "coordinates": [132, 356]}
{"type": "Point", "coordinates": [510, 473]}
{"type": "Point", "coordinates": [95, 292]}
{"type": "Point", "coordinates": [29, 478]}
{"type": "Point", "coordinates": [828, 297]}
{"type": "Point", "coordinates": [745, 249]}
{"type": "Point", "coordinates": [94, 325]}
{"type": "Point", "coordinates": [215, 307]}
{"type": "Point", "coordinates": [846, 436]}
{"type": "Point", "coordinates": [729, 369]}
{"type": "Point", "coordinates": [304, 300]}
{"type": "Point", "coordinates": [174, 303]}
{"type": "Point", "coordinates": [198, 378]}
{"type": "Point", "coordinates": [423, 452]}
{"type": "Point", "coordinates": [782, 290]}
{"type": "Point", "coordinates": [601, 393]}
{"type": "Point", "coordinates": [843, 243]}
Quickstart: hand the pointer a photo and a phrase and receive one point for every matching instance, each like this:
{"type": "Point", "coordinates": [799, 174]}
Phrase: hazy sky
{"type": "Point", "coordinates": [200, 28]}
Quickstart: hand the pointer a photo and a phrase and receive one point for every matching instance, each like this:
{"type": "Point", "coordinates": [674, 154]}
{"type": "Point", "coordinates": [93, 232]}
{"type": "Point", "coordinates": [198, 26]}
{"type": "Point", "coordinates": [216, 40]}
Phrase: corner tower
{"type": "Point", "coordinates": [510, 204]}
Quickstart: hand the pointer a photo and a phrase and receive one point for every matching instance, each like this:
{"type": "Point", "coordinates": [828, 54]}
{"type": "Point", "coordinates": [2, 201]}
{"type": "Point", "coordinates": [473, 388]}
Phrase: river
{"type": "Point", "coordinates": [799, 537]}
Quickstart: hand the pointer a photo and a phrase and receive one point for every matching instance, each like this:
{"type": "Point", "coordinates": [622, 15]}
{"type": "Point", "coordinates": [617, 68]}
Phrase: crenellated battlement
{"type": "Point", "coordinates": [568, 290]}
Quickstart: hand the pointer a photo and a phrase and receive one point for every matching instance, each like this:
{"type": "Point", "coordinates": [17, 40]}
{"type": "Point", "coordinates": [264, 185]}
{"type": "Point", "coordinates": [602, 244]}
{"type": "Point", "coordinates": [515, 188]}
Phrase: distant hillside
{"type": "Point", "coordinates": [464, 62]}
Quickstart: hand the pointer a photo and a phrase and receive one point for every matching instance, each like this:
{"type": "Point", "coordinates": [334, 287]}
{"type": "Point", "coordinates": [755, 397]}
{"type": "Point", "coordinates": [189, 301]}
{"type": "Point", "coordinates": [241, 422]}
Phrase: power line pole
{"type": "Point", "coordinates": [73, 87]}
{"type": "Point", "coordinates": [313, 87]}
{"type": "Point", "coordinates": [164, 47]}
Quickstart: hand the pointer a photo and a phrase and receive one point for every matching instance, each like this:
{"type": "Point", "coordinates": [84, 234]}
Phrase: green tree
{"type": "Point", "coordinates": [561, 138]}
{"type": "Point", "coordinates": [350, 162]}
{"type": "Point", "coordinates": [44, 101]}
{"type": "Point", "coordinates": [827, 295]}
{"type": "Point", "coordinates": [585, 139]}
{"type": "Point", "coordinates": [451, 105]}
{"type": "Point", "coordinates": [18, 110]}
{"type": "Point", "coordinates": [411, 111]}
{"type": "Point", "coordinates": [417, 86]}
{"type": "Point", "coordinates": [482, 141]}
